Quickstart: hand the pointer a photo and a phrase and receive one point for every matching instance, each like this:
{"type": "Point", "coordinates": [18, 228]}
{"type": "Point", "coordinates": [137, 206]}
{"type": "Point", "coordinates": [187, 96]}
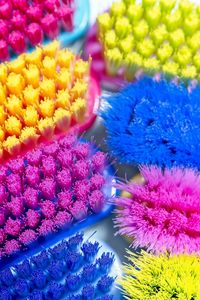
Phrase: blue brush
{"type": "Point", "coordinates": [74, 269]}
{"type": "Point", "coordinates": [157, 123]}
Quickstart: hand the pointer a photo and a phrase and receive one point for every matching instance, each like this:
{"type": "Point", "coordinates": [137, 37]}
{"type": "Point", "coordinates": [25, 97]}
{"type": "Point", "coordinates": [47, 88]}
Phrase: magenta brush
{"type": "Point", "coordinates": [163, 214]}
{"type": "Point", "coordinates": [49, 189]}
{"type": "Point", "coordinates": [34, 34]}
{"type": "Point", "coordinates": [16, 41]}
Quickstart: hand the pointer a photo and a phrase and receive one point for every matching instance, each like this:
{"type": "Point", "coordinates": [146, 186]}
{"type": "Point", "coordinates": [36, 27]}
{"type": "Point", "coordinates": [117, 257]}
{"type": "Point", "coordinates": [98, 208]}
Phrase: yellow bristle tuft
{"type": "Point", "coordinates": [17, 65]}
{"type": "Point", "coordinates": [28, 134]}
{"type": "Point", "coordinates": [31, 96]}
{"type": "Point", "coordinates": [11, 143]}
{"type": "Point", "coordinates": [2, 134]}
{"type": "Point", "coordinates": [64, 79]}
{"type": "Point", "coordinates": [3, 73]}
{"type": "Point", "coordinates": [15, 83]}
{"type": "Point", "coordinates": [30, 116]}
{"type": "Point", "coordinates": [65, 58]}
{"type": "Point", "coordinates": [47, 88]}
{"type": "Point", "coordinates": [78, 109]}
{"type": "Point", "coordinates": [32, 75]}
{"type": "Point", "coordinates": [79, 89]}
{"type": "Point", "coordinates": [34, 58]}
{"type": "Point", "coordinates": [51, 49]}
{"type": "Point", "coordinates": [63, 99]}
{"type": "Point", "coordinates": [47, 107]}
{"type": "Point", "coordinates": [13, 126]}
{"type": "Point", "coordinates": [49, 67]}
{"type": "Point", "coordinates": [62, 118]}
{"type": "Point", "coordinates": [14, 105]}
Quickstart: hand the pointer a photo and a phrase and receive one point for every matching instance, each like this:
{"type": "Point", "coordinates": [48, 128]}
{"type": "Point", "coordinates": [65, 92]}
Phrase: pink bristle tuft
{"type": "Point", "coordinates": [32, 176]}
{"type": "Point", "coordinates": [52, 5]}
{"type": "Point", "coordinates": [32, 218]}
{"type": "Point", "coordinates": [16, 206]}
{"type": "Point", "coordinates": [17, 166]}
{"type": "Point", "coordinates": [3, 194]}
{"type": "Point", "coordinates": [48, 166]}
{"type": "Point", "coordinates": [50, 26]}
{"type": "Point", "coordinates": [4, 53]}
{"type": "Point", "coordinates": [63, 219]}
{"type": "Point", "coordinates": [52, 149]}
{"type": "Point", "coordinates": [21, 5]}
{"type": "Point", "coordinates": [13, 227]}
{"type": "Point", "coordinates": [47, 227]}
{"type": "Point", "coordinates": [34, 34]}
{"type": "Point", "coordinates": [34, 13]}
{"type": "Point", "coordinates": [34, 157]}
{"type": "Point", "coordinates": [82, 150]}
{"type": "Point", "coordinates": [66, 14]}
{"type": "Point", "coordinates": [4, 29]}
{"type": "Point", "coordinates": [64, 179]}
{"type": "Point", "coordinates": [2, 217]}
{"type": "Point", "coordinates": [96, 201]}
{"type": "Point", "coordinates": [3, 173]}
{"type": "Point", "coordinates": [11, 247]}
{"type": "Point", "coordinates": [65, 158]}
{"type": "Point", "coordinates": [16, 41]}
{"type": "Point", "coordinates": [65, 200]}
{"type": "Point", "coordinates": [2, 236]}
{"type": "Point", "coordinates": [48, 209]}
{"type": "Point", "coordinates": [27, 237]}
{"type": "Point", "coordinates": [31, 197]}
{"type": "Point", "coordinates": [6, 10]}
{"type": "Point", "coordinates": [81, 169]}
{"type": "Point", "coordinates": [163, 214]}
{"type": "Point", "coordinates": [14, 184]}
{"type": "Point", "coordinates": [97, 181]}
{"type": "Point", "coordinates": [68, 141]}
{"type": "Point", "coordinates": [82, 190]}
{"type": "Point", "coordinates": [98, 161]}
{"type": "Point", "coordinates": [18, 21]}
{"type": "Point", "coordinates": [79, 210]}
{"type": "Point", "coordinates": [48, 188]}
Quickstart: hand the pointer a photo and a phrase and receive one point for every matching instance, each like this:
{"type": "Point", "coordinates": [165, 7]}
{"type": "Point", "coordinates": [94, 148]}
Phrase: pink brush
{"type": "Point", "coordinates": [34, 34]}
{"type": "Point", "coordinates": [40, 193]}
{"type": "Point", "coordinates": [163, 214]}
{"type": "Point", "coordinates": [50, 26]}
{"type": "Point", "coordinates": [16, 41]}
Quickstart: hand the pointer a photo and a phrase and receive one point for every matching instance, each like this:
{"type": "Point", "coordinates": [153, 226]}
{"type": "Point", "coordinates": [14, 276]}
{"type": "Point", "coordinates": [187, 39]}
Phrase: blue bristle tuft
{"type": "Point", "coordinates": [24, 269]}
{"type": "Point", "coordinates": [75, 297]}
{"type": "Point", "coordinates": [105, 262]}
{"type": "Point", "coordinates": [55, 291]}
{"type": "Point", "coordinates": [5, 294]}
{"type": "Point", "coordinates": [90, 250]}
{"type": "Point", "coordinates": [75, 241]}
{"type": "Point", "coordinates": [22, 287]}
{"type": "Point", "coordinates": [7, 277]}
{"type": "Point", "coordinates": [42, 260]}
{"type": "Point", "coordinates": [56, 269]}
{"type": "Point", "coordinates": [74, 261]}
{"type": "Point", "coordinates": [39, 279]}
{"type": "Point", "coordinates": [155, 123]}
{"type": "Point", "coordinates": [105, 297]}
{"type": "Point", "coordinates": [88, 292]}
{"type": "Point", "coordinates": [59, 250]}
{"type": "Point", "coordinates": [90, 273]}
{"type": "Point", "coordinates": [105, 283]}
{"type": "Point", "coordinates": [73, 282]}
{"type": "Point", "coordinates": [36, 295]}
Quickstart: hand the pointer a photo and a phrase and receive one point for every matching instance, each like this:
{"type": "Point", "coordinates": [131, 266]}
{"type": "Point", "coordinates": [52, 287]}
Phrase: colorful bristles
{"type": "Point", "coordinates": [49, 189]}
{"type": "Point", "coordinates": [161, 277]}
{"type": "Point", "coordinates": [154, 123]}
{"type": "Point", "coordinates": [61, 272]}
{"type": "Point", "coordinates": [28, 23]}
{"type": "Point", "coordinates": [154, 36]}
{"type": "Point", "coordinates": [163, 213]}
{"type": "Point", "coordinates": [40, 92]}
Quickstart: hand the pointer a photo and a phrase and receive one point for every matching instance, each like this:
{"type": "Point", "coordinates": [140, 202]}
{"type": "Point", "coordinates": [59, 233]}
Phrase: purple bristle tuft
{"type": "Point", "coordinates": [48, 188]}
{"type": "Point", "coordinates": [96, 201]}
{"type": "Point", "coordinates": [73, 282]}
{"type": "Point", "coordinates": [31, 197]}
{"type": "Point", "coordinates": [36, 295]}
{"type": "Point", "coordinates": [13, 227]}
{"type": "Point", "coordinates": [105, 262]}
{"type": "Point", "coordinates": [22, 287]}
{"type": "Point", "coordinates": [16, 206]}
{"type": "Point", "coordinates": [75, 241]}
{"type": "Point", "coordinates": [88, 292]}
{"type": "Point", "coordinates": [2, 236]}
{"type": "Point", "coordinates": [11, 247]}
{"type": "Point", "coordinates": [32, 176]}
{"type": "Point", "coordinates": [90, 250]}
{"type": "Point", "coordinates": [7, 277]}
{"type": "Point", "coordinates": [63, 219]}
{"type": "Point", "coordinates": [79, 210]}
{"type": "Point", "coordinates": [52, 149]}
{"type": "Point", "coordinates": [48, 209]}
{"type": "Point", "coordinates": [97, 181]}
{"type": "Point", "coordinates": [3, 194]}
{"type": "Point", "coordinates": [82, 190]}
{"type": "Point", "coordinates": [56, 269]}
{"type": "Point", "coordinates": [74, 261]}
{"type": "Point", "coordinates": [5, 294]}
{"type": "Point", "coordinates": [27, 237]}
{"type": "Point", "coordinates": [98, 161]}
{"type": "Point", "coordinates": [46, 227]}
{"type": "Point", "coordinates": [55, 291]}
{"type": "Point", "coordinates": [14, 184]}
{"type": "Point", "coordinates": [106, 297]}
{"type": "Point", "coordinates": [68, 141]}
{"type": "Point", "coordinates": [90, 273]}
{"type": "Point", "coordinates": [48, 166]}
{"type": "Point", "coordinates": [34, 157]}
{"type": "Point", "coordinates": [64, 179]}
{"type": "Point", "coordinates": [81, 169]}
{"type": "Point", "coordinates": [16, 166]}
{"type": "Point", "coordinates": [65, 200]}
{"type": "Point", "coordinates": [105, 283]}
{"type": "Point", "coordinates": [65, 158]}
{"type": "Point", "coordinates": [39, 279]}
{"type": "Point", "coordinates": [32, 218]}
{"type": "Point", "coordinates": [82, 150]}
{"type": "Point", "coordinates": [59, 251]}
{"type": "Point", "coordinates": [24, 269]}
{"type": "Point", "coordinates": [74, 297]}
{"type": "Point", "coordinates": [42, 260]}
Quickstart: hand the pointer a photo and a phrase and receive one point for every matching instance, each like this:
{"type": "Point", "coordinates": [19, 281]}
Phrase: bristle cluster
{"type": "Point", "coordinates": [156, 36]}
{"type": "Point", "coordinates": [40, 92]}
{"type": "Point", "coordinates": [49, 189]}
{"type": "Point", "coordinates": [61, 272]}
{"type": "Point", "coordinates": [154, 123]}
{"type": "Point", "coordinates": [27, 23]}
{"type": "Point", "coordinates": [161, 277]}
{"type": "Point", "coordinates": [163, 214]}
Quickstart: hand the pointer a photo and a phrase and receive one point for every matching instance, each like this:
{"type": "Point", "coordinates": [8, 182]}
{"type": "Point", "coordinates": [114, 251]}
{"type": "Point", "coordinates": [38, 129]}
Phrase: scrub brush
{"type": "Point", "coordinates": [74, 269]}
{"type": "Point", "coordinates": [161, 277]}
{"type": "Point", "coordinates": [154, 36]}
{"type": "Point", "coordinates": [43, 93]}
{"type": "Point", "coordinates": [59, 186]}
{"type": "Point", "coordinates": [154, 123]}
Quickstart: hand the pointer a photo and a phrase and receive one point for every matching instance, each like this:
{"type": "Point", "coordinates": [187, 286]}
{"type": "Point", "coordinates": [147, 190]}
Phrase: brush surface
{"type": "Point", "coordinates": [154, 123]}
{"type": "Point", "coordinates": [74, 269]}
{"type": "Point", "coordinates": [161, 277]}
{"type": "Point", "coordinates": [163, 214]}
{"type": "Point", "coordinates": [49, 189]}
{"type": "Point", "coordinates": [155, 36]}
{"type": "Point", "coordinates": [28, 23]}
{"type": "Point", "coordinates": [41, 92]}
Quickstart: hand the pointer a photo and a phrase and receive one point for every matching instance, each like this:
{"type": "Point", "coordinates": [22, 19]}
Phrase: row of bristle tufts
{"type": "Point", "coordinates": [25, 23]}
{"type": "Point", "coordinates": [50, 188]}
{"type": "Point", "coordinates": [156, 36]}
{"type": "Point", "coordinates": [40, 92]}
{"type": "Point", "coordinates": [71, 270]}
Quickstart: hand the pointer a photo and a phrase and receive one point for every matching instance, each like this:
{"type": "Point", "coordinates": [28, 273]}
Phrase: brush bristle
{"type": "Point", "coordinates": [154, 123]}
{"type": "Point", "coordinates": [163, 214]}
{"type": "Point", "coordinates": [27, 23]}
{"type": "Point", "coordinates": [50, 193]}
{"type": "Point", "coordinates": [158, 36]}
{"type": "Point", "coordinates": [41, 92]}
{"type": "Point", "coordinates": [59, 273]}
{"type": "Point", "coordinates": [161, 277]}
